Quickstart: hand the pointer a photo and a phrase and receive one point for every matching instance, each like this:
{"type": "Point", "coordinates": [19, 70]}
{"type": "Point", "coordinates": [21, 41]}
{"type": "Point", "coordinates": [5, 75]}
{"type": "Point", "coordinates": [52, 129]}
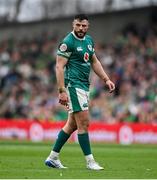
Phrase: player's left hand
{"type": "Point", "coordinates": [110, 85]}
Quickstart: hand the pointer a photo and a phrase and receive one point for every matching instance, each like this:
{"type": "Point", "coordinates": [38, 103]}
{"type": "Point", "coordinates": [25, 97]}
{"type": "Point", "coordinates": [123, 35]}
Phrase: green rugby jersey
{"type": "Point", "coordinates": [79, 54]}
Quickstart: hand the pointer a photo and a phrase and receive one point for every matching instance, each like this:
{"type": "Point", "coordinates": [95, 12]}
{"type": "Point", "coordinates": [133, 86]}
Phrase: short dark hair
{"type": "Point", "coordinates": [81, 17]}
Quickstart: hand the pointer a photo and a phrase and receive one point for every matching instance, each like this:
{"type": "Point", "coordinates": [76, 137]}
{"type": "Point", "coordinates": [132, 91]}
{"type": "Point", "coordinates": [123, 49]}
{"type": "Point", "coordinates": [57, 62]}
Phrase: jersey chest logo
{"type": "Point", "coordinates": [86, 56]}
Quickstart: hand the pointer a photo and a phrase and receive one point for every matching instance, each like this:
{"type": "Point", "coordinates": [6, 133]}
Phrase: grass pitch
{"type": "Point", "coordinates": [23, 160]}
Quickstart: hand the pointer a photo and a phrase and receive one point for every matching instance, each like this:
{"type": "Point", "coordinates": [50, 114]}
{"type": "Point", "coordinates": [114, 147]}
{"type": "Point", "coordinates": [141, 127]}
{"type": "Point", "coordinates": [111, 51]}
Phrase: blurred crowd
{"type": "Point", "coordinates": [28, 87]}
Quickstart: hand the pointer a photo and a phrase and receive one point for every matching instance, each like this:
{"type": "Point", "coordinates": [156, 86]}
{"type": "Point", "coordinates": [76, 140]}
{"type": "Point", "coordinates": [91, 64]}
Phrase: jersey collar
{"type": "Point", "coordinates": [77, 37]}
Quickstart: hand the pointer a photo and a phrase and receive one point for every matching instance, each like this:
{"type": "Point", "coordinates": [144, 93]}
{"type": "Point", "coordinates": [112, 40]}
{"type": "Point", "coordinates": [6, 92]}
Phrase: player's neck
{"type": "Point", "coordinates": [77, 37]}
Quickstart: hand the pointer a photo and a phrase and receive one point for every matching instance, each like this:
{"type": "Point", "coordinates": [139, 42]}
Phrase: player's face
{"type": "Point", "coordinates": [80, 27]}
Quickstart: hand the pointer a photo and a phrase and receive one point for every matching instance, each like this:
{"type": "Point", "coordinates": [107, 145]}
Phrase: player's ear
{"type": "Point", "coordinates": [73, 23]}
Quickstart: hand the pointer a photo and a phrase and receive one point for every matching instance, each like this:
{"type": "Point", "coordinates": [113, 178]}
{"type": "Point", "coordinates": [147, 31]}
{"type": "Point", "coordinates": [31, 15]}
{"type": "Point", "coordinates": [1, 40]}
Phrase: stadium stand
{"type": "Point", "coordinates": [28, 86]}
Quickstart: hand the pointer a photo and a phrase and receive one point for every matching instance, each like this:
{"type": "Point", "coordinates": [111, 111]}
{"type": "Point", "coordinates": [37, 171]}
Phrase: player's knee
{"type": "Point", "coordinates": [69, 129]}
{"type": "Point", "coordinates": [82, 121]}
{"type": "Point", "coordinates": [83, 126]}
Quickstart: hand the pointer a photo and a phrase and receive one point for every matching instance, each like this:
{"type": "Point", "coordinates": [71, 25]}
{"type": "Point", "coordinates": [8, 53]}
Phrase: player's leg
{"type": "Point", "coordinates": [63, 136]}
{"type": "Point", "coordinates": [79, 99]}
{"type": "Point", "coordinates": [65, 133]}
{"type": "Point", "coordinates": [82, 120]}
{"type": "Point", "coordinates": [70, 125]}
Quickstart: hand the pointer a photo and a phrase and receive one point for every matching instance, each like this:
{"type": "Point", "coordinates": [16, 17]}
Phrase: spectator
{"type": "Point", "coordinates": [28, 85]}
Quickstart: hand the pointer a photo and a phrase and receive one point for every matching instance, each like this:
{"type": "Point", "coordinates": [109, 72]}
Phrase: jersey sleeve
{"type": "Point", "coordinates": [64, 49]}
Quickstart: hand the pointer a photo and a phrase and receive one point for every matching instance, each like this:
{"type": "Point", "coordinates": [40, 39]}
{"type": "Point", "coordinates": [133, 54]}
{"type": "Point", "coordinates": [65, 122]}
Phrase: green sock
{"type": "Point", "coordinates": [84, 143]}
{"type": "Point", "coordinates": [61, 140]}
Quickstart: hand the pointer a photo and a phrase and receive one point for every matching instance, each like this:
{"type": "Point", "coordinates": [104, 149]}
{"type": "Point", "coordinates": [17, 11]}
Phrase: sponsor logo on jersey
{"type": "Point", "coordinates": [90, 47]}
{"type": "Point", "coordinates": [86, 56]}
{"type": "Point", "coordinates": [63, 47]}
{"type": "Point", "coordinates": [85, 105]}
{"type": "Point", "coordinates": [79, 49]}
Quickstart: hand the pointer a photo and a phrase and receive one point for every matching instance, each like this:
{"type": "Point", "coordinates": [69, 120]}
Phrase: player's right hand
{"type": "Point", "coordinates": [63, 98]}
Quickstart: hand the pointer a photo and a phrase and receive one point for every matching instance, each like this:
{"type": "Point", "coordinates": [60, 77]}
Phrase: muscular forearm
{"type": "Point", "coordinates": [60, 76]}
{"type": "Point", "coordinates": [98, 69]}
{"type": "Point", "coordinates": [60, 63]}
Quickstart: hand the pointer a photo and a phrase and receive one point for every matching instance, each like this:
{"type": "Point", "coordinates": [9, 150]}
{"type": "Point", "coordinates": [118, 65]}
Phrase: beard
{"type": "Point", "coordinates": [80, 34]}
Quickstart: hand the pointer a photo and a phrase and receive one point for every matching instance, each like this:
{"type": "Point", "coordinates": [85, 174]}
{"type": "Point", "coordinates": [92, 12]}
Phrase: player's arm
{"type": "Point", "coordinates": [98, 69]}
{"type": "Point", "coordinates": [60, 64]}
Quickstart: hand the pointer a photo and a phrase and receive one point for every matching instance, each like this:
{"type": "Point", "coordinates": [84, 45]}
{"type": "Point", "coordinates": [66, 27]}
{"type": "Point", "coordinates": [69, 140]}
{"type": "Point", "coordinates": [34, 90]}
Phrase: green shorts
{"type": "Point", "coordinates": [78, 99]}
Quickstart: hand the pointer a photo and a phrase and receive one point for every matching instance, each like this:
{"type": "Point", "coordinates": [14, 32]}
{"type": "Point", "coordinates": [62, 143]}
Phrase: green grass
{"type": "Point", "coordinates": [26, 161]}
